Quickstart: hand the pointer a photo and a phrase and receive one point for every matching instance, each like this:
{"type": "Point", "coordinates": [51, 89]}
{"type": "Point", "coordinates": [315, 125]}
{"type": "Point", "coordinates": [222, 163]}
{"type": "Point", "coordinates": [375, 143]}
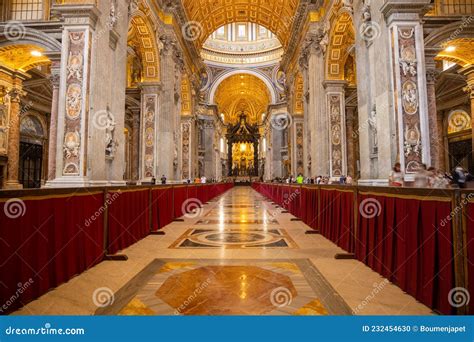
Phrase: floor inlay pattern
{"type": "Point", "coordinates": [235, 238]}
{"type": "Point", "coordinates": [227, 287]}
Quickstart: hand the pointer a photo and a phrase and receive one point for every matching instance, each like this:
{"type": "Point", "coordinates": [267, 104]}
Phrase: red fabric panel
{"type": "Point", "coordinates": [162, 204]}
{"type": "Point", "coordinates": [336, 217]}
{"type": "Point", "coordinates": [193, 192]}
{"type": "Point", "coordinates": [180, 195]}
{"type": "Point", "coordinates": [54, 240]}
{"type": "Point", "coordinates": [128, 219]}
{"type": "Point", "coordinates": [408, 243]}
{"type": "Point", "coordinates": [470, 251]}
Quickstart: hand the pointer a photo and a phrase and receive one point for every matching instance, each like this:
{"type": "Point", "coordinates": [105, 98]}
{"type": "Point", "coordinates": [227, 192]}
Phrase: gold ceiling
{"type": "Point", "coordinates": [242, 93]}
{"type": "Point", "coordinates": [21, 57]}
{"type": "Point", "coordinates": [463, 53]}
{"type": "Point", "coordinates": [276, 15]}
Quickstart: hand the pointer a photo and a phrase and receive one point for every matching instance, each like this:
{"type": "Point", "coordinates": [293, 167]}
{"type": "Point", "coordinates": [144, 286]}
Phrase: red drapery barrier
{"type": "Point", "coordinates": [469, 219]}
{"type": "Point", "coordinates": [336, 217]}
{"type": "Point", "coordinates": [180, 196]}
{"type": "Point", "coordinates": [162, 205]}
{"type": "Point", "coordinates": [406, 243]}
{"type": "Point", "coordinates": [128, 218]}
{"type": "Point", "coordinates": [52, 239]}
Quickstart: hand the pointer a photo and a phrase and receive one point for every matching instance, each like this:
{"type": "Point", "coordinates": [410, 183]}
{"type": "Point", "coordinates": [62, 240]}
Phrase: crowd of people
{"type": "Point", "coordinates": [424, 177]}
{"type": "Point", "coordinates": [430, 177]}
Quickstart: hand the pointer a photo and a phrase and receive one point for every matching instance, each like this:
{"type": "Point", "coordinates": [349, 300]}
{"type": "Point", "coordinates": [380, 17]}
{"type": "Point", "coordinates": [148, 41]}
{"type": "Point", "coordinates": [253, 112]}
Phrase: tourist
{"type": "Point", "coordinates": [163, 179]}
{"type": "Point", "coordinates": [299, 179]}
{"type": "Point", "coordinates": [349, 180]}
{"type": "Point", "coordinates": [396, 176]}
{"type": "Point", "coordinates": [460, 177]}
{"type": "Point", "coordinates": [422, 177]}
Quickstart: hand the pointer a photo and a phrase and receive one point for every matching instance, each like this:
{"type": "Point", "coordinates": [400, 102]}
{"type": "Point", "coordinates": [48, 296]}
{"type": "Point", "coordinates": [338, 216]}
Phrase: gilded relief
{"type": "Point", "coordinates": [336, 134]}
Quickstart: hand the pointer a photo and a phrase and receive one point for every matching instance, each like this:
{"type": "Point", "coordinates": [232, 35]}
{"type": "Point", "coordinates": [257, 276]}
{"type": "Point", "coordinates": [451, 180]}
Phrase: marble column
{"type": "Point", "coordinates": [210, 161]}
{"type": "Point", "coordinates": [436, 134]}
{"type": "Point", "coordinates": [168, 134]}
{"type": "Point", "coordinates": [335, 104]}
{"type": "Point", "coordinates": [409, 82]}
{"type": "Point", "coordinates": [135, 158]}
{"type": "Point", "coordinates": [469, 89]}
{"type": "Point", "coordinates": [149, 132]}
{"type": "Point", "coordinates": [187, 142]}
{"type": "Point", "coordinates": [12, 181]}
{"type": "Point", "coordinates": [312, 65]}
{"type": "Point", "coordinates": [351, 141]}
{"type": "Point", "coordinates": [53, 126]}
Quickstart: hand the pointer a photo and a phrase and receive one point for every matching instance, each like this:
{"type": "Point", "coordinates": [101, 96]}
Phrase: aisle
{"type": "Point", "coordinates": [238, 255]}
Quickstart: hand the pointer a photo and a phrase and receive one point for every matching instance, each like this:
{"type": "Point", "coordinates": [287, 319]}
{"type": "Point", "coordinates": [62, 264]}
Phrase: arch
{"type": "Point", "coordinates": [276, 16]}
{"type": "Point", "coordinates": [459, 29]}
{"type": "Point", "coordinates": [19, 57]}
{"type": "Point", "coordinates": [31, 36]}
{"type": "Point", "coordinates": [242, 94]}
{"type": "Point", "coordinates": [222, 77]}
{"type": "Point", "coordinates": [141, 29]}
{"type": "Point", "coordinates": [341, 38]}
{"type": "Point", "coordinates": [458, 121]}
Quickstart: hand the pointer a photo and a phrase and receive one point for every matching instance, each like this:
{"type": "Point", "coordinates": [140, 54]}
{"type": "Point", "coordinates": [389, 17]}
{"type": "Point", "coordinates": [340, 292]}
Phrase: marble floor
{"type": "Point", "coordinates": [238, 255]}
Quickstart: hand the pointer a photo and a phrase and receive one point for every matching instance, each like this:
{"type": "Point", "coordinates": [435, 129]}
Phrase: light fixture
{"type": "Point", "coordinates": [36, 53]}
{"type": "Point", "coordinates": [450, 48]}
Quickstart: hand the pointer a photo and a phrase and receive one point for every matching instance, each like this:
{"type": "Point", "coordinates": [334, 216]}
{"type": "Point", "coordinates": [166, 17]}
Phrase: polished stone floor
{"type": "Point", "coordinates": [240, 255]}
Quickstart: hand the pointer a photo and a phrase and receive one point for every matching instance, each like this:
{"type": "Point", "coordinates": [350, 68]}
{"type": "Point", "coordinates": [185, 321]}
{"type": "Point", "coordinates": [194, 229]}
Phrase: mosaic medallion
{"type": "Point", "coordinates": [245, 221]}
{"type": "Point", "coordinates": [227, 287]}
{"type": "Point", "coordinates": [234, 238]}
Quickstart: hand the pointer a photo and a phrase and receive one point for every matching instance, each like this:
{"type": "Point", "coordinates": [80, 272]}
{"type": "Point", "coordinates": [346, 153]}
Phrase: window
{"type": "Point", "coordinates": [27, 9]}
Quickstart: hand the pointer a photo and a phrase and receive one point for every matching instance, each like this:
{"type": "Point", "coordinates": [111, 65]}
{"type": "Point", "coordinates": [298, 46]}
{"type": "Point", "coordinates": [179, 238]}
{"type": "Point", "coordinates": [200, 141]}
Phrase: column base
{"type": "Point", "coordinates": [13, 185]}
{"type": "Point", "coordinates": [68, 182]}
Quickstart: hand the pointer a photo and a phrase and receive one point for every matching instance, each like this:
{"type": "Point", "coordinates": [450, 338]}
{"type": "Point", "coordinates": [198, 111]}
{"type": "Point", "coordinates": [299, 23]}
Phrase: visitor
{"type": "Point", "coordinates": [422, 177]}
{"type": "Point", "coordinates": [203, 179]}
{"type": "Point", "coordinates": [299, 179]}
{"type": "Point", "coordinates": [342, 179]}
{"type": "Point", "coordinates": [318, 180]}
{"type": "Point", "coordinates": [460, 177]}
{"type": "Point", "coordinates": [163, 179]}
{"type": "Point", "coordinates": [349, 180]}
{"type": "Point", "coordinates": [396, 176]}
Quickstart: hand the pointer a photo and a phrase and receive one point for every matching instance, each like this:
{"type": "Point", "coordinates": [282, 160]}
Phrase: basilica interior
{"type": "Point", "coordinates": [182, 143]}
